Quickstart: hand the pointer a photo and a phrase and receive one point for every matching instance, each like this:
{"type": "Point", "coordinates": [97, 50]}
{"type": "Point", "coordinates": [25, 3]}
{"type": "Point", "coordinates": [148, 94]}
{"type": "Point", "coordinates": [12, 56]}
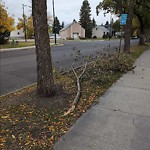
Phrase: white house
{"type": "Point", "coordinates": [17, 34]}
{"type": "Point", "coordinates": [99, 32]}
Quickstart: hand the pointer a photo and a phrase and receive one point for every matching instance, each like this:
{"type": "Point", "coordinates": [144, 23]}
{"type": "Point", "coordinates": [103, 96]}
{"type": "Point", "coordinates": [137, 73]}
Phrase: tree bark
{"type": "Point", "coordinates": [141, 37]}
{"type": "Point", "coordinates": [128, 26]}
{"type": "Point", "coordinates": [45, 82]}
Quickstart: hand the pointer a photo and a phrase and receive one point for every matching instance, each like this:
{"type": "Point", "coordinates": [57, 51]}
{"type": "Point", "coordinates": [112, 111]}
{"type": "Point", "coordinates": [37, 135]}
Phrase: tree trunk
{"type": "Point", "coordinates": [128, 27]}
{"type": "Point", "coordinates": [141, 37]}
{"type": "Point", "coordinates": [45, 82]}
{"type": "Point", "coordinates": [147, 35]}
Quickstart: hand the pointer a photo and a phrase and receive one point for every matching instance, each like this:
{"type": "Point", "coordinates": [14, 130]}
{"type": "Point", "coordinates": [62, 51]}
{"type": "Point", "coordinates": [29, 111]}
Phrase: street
{"type": "Point", "coordinates": [18, 68]}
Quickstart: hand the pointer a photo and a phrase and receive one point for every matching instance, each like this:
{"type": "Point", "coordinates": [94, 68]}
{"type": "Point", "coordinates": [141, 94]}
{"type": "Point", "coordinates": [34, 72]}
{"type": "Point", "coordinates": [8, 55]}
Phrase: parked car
{"type": "Point", "coordinates": [119, 34]}
{"type": "Point", "coordinates": [134, 37]}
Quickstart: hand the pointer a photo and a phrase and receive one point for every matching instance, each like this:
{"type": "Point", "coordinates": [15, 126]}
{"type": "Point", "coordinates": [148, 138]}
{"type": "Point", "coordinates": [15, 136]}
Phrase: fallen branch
{"type": "Point", "coordinates": [76, 99]}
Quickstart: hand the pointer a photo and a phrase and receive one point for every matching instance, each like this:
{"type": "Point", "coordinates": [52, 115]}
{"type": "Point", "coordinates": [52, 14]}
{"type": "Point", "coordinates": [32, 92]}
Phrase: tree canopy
{"type": "Point", "coordinates": [29, 25]}
{"type": "Point", "coordinates": [6, 23]}
{"type": "Point", "coordinates": [140, 9]}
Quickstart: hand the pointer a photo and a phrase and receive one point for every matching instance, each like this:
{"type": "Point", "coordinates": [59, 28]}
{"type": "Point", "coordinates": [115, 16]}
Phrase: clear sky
{"type": "Point", "coordinates": [65, 10]}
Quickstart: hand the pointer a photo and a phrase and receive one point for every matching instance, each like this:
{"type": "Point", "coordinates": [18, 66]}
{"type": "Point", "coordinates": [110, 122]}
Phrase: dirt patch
{"type": "Point", "coordinates": [30, 97]}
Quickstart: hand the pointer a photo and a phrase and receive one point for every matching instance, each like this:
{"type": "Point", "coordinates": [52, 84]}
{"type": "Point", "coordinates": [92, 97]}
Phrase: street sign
{"type": "Point", "coordinates": [123, 19]}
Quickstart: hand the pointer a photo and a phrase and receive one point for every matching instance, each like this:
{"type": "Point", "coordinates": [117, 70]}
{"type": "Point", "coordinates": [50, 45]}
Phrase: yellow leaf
{"type": "Point", "coordinates": [13, 136]}
{"type": "Point", "coordinates": [2, 140]}
{"type": "Point", "coordinates": [4, 117]}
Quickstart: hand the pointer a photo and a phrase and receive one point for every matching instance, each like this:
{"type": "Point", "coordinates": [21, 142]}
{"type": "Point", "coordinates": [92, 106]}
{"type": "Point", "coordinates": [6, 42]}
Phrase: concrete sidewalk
{"type": "Point", "coordinates": [121, 120]}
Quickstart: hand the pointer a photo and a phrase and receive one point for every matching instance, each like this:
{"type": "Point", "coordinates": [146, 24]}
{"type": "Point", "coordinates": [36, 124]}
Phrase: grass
{"type": "Point", "coordinates": [30, 122]}
{"type": "Point", "coordinates": [24, 44]}
{"type": "Point", "coordinates": [20, 44]}
{"type": "Point", "coordinates": [137, 50]}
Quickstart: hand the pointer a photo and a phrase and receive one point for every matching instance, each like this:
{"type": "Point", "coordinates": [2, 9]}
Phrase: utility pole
{"type": "Point", "coordinates": [24, 23]}
{"type": "Point", "coordinates": [54, 21]}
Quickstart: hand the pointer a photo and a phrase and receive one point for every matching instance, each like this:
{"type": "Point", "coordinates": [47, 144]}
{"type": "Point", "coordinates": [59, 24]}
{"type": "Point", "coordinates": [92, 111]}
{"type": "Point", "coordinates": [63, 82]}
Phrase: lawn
{"type": "Point", "coordinates": [20, 44]}
{"type": "Point", "coordinates": [27, 44]}
{"type": "Point", "coordinates": [30, 122]}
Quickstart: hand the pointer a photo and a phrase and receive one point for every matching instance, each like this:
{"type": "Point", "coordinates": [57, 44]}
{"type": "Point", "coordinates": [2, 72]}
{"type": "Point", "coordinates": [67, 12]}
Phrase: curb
{"type": "Point", "coordinates": [25, 48]}
{"type": "Point", "coordinates": [16, 91]}
{"type": "Point", "coordinates": [14, 49]}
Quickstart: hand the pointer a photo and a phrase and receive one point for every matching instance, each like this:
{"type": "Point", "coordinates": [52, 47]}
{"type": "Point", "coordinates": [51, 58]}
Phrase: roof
{"type": "Point", "coordinates": [99, 27]}
{"type": "Point", "coordinates": [69, 25]}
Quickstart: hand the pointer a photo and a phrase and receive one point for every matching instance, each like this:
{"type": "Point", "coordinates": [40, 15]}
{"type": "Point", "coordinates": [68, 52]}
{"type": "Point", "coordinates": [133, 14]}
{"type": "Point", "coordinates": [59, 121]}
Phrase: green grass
{"type": "Point", "coordinates": [137, 50]}
{"type": "Point", "coordinates": [20, 44]}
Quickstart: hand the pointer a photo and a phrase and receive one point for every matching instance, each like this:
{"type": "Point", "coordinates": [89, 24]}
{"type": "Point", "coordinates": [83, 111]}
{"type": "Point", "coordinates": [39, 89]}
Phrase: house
{"type": "Point", "coordinates": [17, 34]}
{"type": "Point", "coordinates": [72, 31]}
{"type": "Point", "coordinates": [99, 32]}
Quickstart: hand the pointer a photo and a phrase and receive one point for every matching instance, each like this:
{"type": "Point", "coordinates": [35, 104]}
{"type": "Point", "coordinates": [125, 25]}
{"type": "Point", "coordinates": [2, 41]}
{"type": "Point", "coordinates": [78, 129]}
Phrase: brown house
{"type": "Point", "coordinates": [72, 31]}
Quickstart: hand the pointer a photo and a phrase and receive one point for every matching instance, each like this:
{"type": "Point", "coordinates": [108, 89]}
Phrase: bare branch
{"type": "Point", "coordinates": [83, 70]}
{"type": "Point", "coordinates": [76, 99]}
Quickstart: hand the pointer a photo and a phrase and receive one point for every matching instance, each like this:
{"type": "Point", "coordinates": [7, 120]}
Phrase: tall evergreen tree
{"type": "Point", "coordinates": [85, 18]}
{"type": "Point", "coordinates": [62, 25]}
{"type": "Point", "coordinates": [93, 23]}
{"type": "Point", "coordinates": [57, 26]}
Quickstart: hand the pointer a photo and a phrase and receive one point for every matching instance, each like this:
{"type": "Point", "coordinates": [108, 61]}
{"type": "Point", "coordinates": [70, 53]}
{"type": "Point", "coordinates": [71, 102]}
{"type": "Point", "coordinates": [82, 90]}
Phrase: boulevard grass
{"type": "Point", "coordinates": [26, 44]}
{"type": "Point", "coordinates": [20, 44]}
{"type": "Point", "coordinates": [30, 122]}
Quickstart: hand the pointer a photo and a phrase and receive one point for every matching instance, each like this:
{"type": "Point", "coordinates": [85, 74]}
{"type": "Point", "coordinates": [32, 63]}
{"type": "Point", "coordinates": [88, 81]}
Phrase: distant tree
{"type": "Point", "coordinates": [57, 26]}
{"type": "Point", "coordinates": [62, 25]}
{"type": "Point", "coordinates": [45, 82]}
{"type": "Point", "coordinates": [107, 23]}
{"type": "Point", "coordinates": [6, 24]}
{"type": "Point", "coordinates": [116, 26]}
{"type": "Point", "coordinates": [28, 25]}
{"type": "Point", "coordinates": [85, 18]}
{"type": "Point", "coordinates": [93, 23]}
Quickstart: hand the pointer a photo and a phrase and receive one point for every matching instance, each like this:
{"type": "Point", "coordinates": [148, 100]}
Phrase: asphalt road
{"type": "Point", "coordinates": [18, 68]}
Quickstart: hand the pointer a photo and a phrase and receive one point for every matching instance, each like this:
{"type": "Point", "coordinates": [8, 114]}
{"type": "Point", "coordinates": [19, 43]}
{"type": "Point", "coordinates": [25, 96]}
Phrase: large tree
{"type": "Point", "coordinates": [139, 8]}
{"type": "Point", "coordinates": [45, 82]}
{"type": "Point", "coordinates": [6, 23]}
{"type": "Point", "coordinates": [119, 7]}
{"type": "Point", "coordinates": [142, 11]}
{"type": "Point", "coordinates": [85, 18]}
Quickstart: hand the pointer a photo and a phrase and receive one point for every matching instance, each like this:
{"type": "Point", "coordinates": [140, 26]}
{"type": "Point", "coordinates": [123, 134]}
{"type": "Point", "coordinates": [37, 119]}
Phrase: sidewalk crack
{"type": "Point", "coordinates": [118, 110]}
{"type": "Point", "coordinates": [140, 88]}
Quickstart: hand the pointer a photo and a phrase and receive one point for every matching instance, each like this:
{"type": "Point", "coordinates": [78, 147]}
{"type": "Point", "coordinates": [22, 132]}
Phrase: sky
{"type": "Point", "coordinates": [65, 10]}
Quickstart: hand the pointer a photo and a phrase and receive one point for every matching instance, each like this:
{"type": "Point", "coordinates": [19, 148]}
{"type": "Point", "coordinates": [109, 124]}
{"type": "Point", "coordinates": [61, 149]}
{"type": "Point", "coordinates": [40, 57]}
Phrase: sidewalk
{"type": "Point", "coordinates": [121, 120]}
